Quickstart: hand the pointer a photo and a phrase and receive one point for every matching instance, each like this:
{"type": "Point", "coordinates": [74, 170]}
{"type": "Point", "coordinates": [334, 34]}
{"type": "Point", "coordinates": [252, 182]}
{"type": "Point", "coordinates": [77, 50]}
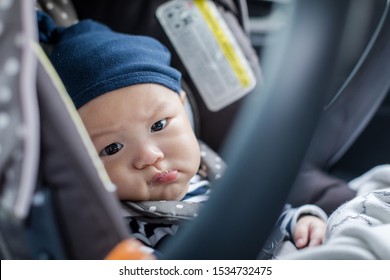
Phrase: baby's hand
{"type": "Point", "coordinates": [309, 231]}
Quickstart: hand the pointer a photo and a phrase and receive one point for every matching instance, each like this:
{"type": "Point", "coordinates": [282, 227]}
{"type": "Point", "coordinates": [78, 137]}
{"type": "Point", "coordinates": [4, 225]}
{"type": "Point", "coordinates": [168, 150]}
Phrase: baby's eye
{"type": "Point", "coordinates": [157, 126]}
{"type": "Point", "coordinates": [111, 149]}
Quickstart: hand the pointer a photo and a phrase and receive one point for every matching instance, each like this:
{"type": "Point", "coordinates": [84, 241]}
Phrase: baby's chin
{"type": "Point", "coordinates": [172, 194]}
{"type": "Point", "coordinates": [171, 197]}
{"type": "Point", "coordinates": [161, 197]}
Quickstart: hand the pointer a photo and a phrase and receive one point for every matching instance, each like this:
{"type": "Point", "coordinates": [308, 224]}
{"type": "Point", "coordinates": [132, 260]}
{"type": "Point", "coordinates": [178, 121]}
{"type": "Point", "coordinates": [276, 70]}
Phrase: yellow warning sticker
{"type": "Point", "coordinates": [208, 49]}
{"type": "Point", "coordinates": [224, 42]}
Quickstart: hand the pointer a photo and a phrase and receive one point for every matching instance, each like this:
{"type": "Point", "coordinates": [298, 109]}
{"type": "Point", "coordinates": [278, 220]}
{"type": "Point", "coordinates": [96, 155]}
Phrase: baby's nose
{"type": "Point", "coordinates": [147, 155]}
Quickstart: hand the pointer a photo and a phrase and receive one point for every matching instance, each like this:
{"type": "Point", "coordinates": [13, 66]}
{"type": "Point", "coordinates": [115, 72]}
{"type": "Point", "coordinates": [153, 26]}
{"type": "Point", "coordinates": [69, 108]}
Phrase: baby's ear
{"type": "Point", "coordinates": [183, 96]}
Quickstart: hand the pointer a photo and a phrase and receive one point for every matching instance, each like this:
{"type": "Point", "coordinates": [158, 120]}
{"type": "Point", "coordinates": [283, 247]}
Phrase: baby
{"type": "Point", "coordinates": [131, 103]}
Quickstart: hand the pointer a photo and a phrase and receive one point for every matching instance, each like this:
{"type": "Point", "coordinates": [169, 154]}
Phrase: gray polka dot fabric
{"type": "Point", "coordinates": [18, 113]}
{"type": "Point", "coordinates": [10, 60]}
{"type": "Point", "coordinates": [212, 165]}
{"type": "Point", "coordinates": [62, 11]}
{"type": "Point", "coordinates": [171, 212]}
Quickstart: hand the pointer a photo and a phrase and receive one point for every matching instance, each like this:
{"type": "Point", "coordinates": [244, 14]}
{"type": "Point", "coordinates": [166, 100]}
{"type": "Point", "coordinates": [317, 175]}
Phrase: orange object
{"type": "Point", "coordinates": [129, 249]}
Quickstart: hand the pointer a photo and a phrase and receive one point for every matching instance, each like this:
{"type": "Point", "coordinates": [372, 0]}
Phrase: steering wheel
{"type": "Point", "coordinates": [269, 139]}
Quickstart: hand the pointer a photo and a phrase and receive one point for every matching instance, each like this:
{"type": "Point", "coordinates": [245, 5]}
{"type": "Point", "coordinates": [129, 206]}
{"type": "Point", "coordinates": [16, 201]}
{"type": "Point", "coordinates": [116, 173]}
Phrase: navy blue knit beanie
{"type": "Point", "coordinates": [91, 60]}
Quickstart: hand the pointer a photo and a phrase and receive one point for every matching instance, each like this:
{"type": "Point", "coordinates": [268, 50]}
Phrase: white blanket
{"type": "Point", "coordinates": [359, 229]}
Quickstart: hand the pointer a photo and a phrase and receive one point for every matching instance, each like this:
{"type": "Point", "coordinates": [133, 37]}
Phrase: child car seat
{"type": "Point", "coordinates": [56, 199]}
{"type": "Point", "coordinates": [348, 112]}
{"type": "Point", "coordinates": [346, 115]}
{"type": "Point", "coordinates": [51, 226]}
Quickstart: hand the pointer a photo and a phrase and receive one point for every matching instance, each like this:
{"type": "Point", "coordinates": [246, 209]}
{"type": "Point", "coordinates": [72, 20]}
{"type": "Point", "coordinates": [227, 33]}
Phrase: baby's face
{"type": "Point", "coordinates": [145, 140]}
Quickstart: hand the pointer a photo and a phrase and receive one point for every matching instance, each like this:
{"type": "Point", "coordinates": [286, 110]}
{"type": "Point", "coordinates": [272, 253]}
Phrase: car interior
{"type": "Point", "coordinates": [315, 119]}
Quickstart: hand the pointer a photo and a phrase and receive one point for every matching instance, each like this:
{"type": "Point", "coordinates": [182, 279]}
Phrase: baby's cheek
{"type": "Point", "coordinates": [124, 180]}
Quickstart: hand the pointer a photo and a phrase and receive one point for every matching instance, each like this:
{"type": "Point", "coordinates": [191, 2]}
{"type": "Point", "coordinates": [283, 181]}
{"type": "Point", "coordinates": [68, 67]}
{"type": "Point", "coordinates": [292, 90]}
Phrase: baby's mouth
{"type": "Point", "coordinates": [164, 177]}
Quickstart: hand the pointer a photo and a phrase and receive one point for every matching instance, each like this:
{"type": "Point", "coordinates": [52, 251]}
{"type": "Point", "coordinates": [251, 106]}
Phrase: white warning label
{"type": "Point", "coordinates": [208, 50]}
